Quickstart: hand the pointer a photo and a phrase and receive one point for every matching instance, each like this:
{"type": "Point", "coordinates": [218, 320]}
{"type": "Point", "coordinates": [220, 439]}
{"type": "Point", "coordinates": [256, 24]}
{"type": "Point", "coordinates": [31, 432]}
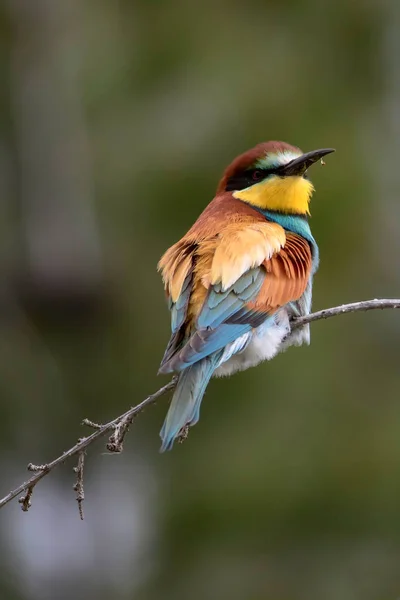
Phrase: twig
{"type": "Point", "coordinates": [36, 468]}
{"type": "Point", "coordinates": [120, 424]}
{"type": "Point", "coordinates": [91, 424]}
{"type": "Point", "coordinates": [78, 487]}
{"type": "Point", "coordinates": [116, 440]}
{"type": "Point", "coordinates": [85, 442]}
{"type": "Point", "coordinates": [25, 501]}
{"type": "Point", "coordinates": [326, 313]}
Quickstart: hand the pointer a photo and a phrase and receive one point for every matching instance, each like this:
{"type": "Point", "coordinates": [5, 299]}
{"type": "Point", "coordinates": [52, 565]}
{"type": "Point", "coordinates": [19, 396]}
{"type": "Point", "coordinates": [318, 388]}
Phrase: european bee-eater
{"type": "Point", "coordinates": [236, 278]}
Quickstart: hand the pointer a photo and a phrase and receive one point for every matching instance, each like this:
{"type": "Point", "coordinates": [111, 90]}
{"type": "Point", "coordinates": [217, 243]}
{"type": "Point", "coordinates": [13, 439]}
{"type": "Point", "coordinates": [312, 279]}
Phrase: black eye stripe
{"type": "Point", "coordinates": [245, 179]}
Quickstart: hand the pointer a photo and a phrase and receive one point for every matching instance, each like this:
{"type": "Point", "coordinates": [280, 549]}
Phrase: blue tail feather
{"type": "Point", "coordinates": [185, 404]}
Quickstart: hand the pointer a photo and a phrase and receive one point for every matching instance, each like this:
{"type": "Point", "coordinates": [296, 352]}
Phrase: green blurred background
{"type": "Point", "coordinates": [117, 119]}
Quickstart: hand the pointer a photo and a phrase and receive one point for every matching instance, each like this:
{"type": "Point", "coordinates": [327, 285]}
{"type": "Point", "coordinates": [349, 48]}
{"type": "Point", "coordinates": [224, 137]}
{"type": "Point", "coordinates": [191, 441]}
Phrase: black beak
{"type": "Point", "coordinates": [299, 165]}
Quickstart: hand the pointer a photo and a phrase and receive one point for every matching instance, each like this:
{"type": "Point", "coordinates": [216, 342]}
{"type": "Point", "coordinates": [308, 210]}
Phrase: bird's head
{"type": "Point", "coordinates": [273, 176]}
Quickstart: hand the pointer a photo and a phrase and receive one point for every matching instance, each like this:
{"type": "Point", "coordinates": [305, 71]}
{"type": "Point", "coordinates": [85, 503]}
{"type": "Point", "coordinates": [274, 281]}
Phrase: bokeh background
{"type": "Point", "coordinates": [116, 121]}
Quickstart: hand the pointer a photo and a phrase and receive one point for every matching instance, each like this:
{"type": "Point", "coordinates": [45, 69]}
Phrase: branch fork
{"type": "Point", "coordinates": [120, 425]}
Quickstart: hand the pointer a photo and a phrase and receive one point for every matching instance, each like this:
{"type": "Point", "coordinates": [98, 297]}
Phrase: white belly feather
{"type": "Point", "coordinates": [262, 343]}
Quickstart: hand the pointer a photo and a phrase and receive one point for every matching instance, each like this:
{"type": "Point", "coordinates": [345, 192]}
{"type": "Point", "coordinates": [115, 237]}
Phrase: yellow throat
{"type": "Point", "coordinates": [284, 194]}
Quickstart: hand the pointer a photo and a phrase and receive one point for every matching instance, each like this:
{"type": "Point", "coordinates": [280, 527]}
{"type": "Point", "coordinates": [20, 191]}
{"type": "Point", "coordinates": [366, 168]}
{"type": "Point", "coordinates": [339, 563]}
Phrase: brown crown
{"type": "Point", "coordinates": [247, 159]}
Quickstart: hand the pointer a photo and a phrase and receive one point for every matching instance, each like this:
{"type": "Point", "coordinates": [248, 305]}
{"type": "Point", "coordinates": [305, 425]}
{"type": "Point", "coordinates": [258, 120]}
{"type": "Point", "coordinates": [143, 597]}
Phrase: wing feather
{"type": "Point", "coordinates": [242, 248]}
{"type": "Point", "coordinates": [224, 280]}
{"type": "Point", "coordinates": [288, 273]}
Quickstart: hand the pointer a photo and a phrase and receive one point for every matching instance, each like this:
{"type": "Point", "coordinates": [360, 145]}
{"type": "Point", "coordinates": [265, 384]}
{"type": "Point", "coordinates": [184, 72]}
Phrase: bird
{"type": "Point", "coordinates": [239, 275]}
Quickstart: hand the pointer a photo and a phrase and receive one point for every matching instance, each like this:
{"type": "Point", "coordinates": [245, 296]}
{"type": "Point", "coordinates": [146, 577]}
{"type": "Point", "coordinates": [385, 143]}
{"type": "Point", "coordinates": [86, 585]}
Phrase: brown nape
{"type": "Point", "coordinates": [247, 159]}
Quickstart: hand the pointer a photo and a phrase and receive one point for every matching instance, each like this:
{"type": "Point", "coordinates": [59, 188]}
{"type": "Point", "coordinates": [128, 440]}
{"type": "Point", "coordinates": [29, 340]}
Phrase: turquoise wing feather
{"type": "Point", "coordinates": [185, 405]}
{"type": "Point", "coordinates": [179, 308]}
{"type": "Point", "coordinates": [223, 318]}
{"type": "Point", "coordinates": [178, 315]}
{"type": "Point", "coordinates": [221, 305]}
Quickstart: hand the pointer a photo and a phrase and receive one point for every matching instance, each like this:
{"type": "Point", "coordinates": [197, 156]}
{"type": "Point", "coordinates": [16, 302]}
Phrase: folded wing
{"type": "Point", "coordinates": [224, 285]}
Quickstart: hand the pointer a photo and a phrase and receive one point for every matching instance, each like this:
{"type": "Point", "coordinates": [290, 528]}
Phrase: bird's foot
{"type": "Point", "coordinates": [183, 434]}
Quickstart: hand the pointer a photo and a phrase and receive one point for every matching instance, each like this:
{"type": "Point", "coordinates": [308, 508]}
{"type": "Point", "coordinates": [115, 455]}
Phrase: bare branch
{"type": "Point", "coordinates": [83, 443]}
{"type": "Point", "coordinates": [91, 424]}
{"type": "Point", "coordinates": [36, 468]}
{"type": "Point", "coordinates": [326, 313]}
{"type": "Point", "coordinates": [25, 501]}
{"type": "Point", "coordinates": [78, 487]}
{"type": "Point", "coordinates": [120, 425]}
{"type": "Point", "coordinates": [116, 440]}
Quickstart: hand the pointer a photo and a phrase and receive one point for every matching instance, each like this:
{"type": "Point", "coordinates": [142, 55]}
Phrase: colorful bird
{"type": "Point", "coordinates": [236, 278]}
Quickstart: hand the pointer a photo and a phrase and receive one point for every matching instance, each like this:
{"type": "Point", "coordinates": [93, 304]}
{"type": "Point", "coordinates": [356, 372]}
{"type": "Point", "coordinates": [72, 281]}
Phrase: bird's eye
{"type": "Point", "coordinates": [257, 175]}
